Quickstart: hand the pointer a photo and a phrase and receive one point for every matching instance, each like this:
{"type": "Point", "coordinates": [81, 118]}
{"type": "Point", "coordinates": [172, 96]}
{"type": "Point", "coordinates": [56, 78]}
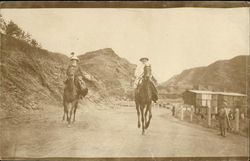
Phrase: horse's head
{"type": "Point", "coordinates": [145, 92]}
{"type": "Point", "coordinates": [70, 84]}
{"type": "Point", "coordinates": [70, 92]}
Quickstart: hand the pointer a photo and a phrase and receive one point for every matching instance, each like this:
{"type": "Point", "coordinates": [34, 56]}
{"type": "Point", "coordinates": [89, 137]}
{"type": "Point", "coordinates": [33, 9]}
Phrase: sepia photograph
{"type": "Point", "coordinates": [117, 81]}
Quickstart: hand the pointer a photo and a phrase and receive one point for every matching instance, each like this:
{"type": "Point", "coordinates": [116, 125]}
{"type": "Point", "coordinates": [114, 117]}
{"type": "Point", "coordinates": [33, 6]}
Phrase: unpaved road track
{"type": "Point", "coordinates": [114, 133]}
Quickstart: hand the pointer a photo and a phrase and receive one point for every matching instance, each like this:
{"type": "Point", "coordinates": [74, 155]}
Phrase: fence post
{"type": "Point", "coordinates": [242, 116]}
{"type": "Point", "coordinates": [209, 116]}
{"type": "Point", "coordinates": [237, 120]}
{"type": "Point", "coordinates": [182, 112]}
{"type": "Point", "coordinates": [191, 113]}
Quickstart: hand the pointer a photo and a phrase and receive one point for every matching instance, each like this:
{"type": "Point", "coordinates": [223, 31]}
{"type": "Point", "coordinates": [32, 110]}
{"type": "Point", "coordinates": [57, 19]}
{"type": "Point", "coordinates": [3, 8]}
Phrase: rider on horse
{"type": "Point", "coordinates": [74, 72]}
{"type": "Point", "coordinates": [140, 75]}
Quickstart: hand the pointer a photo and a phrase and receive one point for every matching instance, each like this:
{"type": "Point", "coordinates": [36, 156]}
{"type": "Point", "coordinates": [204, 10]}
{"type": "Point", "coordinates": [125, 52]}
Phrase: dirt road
{"type": "Point", "coordinates": [106, 132]}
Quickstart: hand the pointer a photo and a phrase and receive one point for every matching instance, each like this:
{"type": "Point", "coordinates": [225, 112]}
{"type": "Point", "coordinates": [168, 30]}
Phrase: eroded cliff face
{"type": "Point", "coordinates": [32, 77]}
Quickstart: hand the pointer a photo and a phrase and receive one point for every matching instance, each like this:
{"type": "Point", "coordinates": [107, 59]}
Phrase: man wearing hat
{"type": "Point", "coordinates": [223, 119]}
{"type": "Point", "coordinates": [73, 71]}
{"type": "Point", "coordinates": [139, 74]}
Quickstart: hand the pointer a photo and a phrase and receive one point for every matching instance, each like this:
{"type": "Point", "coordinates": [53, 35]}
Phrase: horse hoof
{"type": "Point", "coordinates": [139, 126]}
{"type": "Point", "coordinates": [69, 126]}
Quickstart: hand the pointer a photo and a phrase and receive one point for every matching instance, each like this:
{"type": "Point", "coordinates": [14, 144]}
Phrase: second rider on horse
{"type": "Point", "coordinates": [140, 75]}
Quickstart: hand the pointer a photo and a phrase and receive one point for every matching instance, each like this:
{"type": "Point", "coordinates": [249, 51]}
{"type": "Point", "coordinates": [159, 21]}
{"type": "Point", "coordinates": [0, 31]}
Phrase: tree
{"type": "Point", "coordinates": [34, 43]}
{"type": "Point", "coordinates": [13, 30]}
{"type": "Point", "coordinates": [26, 37]}
{"type": "Point", "coordinates": [22, 35]}
{"type": "Point", "coordinates": [39, 45]}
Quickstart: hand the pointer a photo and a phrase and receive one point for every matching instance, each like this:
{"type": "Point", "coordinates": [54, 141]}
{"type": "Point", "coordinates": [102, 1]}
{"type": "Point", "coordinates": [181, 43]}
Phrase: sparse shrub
{"type": "Point", "coordinates": [34, 43]}
{"type": "Point", "coordinates": [13, 30]}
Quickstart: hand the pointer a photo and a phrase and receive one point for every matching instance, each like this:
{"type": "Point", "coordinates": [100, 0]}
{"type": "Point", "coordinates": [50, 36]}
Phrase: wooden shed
{"type": "Point", "coordinates": [209, 99]}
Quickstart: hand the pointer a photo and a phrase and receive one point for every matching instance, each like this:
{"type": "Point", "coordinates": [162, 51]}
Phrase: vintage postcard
{"type": "Point", "coordinates": [124, 80]}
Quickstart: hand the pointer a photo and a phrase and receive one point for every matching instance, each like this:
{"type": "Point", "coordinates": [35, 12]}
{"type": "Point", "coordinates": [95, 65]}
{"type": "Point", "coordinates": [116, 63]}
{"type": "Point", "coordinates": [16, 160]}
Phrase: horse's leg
{"type": "Point", "coordinates": [138, 114]}
{"type": "Point", "coordinates": [71, 111]}
{"type": "Point", "coordinates": [149, 107]}
{"type": "Point", "coordinates": [142, 118]}
{"type": "Point", "coordinates": [67, 110]}
{"type": "Point", "coordinates": [64, 110]}
{"type": "Point", "coordinates": [146, 114]}
{"type": "Point", "coordinates": [76, 105]}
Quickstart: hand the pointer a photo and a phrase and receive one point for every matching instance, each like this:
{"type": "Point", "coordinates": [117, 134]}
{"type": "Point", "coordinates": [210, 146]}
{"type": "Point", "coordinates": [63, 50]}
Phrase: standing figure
{"type": "Point", "coordinates": [223, 119]}
{"type": "Point", "coordinates": [173, 110]}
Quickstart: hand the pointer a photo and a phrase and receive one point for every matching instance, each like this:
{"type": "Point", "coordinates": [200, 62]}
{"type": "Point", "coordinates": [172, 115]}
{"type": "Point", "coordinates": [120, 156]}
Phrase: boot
{"type": "Point", "coordinates": [155, 96]}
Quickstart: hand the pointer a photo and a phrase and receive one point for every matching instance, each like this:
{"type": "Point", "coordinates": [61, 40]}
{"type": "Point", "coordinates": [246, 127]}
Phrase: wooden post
{"type": "Point", "coordinates": [237, 120]}
{"type": "Point", "coordinates": [191, 113]}
{"type": "Point", "coordinates": [242, 116]}
{"type": "Point", "coordinates": [209, 116]}
{"type": "Point", "coordinates": [182, 112]}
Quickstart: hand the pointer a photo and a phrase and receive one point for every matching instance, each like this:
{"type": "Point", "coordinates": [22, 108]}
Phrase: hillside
{"type": "Point", "coordinates": [114, 72]}
{"type": "Point", "coordinates": [223, 75]}
{"type": "Point", "coordinates": [32, 78]}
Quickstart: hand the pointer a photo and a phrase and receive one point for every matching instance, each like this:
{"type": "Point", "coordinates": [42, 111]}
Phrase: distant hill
{"type": "Point", "coordinates": [32, 77]}
{"type": "Point", "coordinates": [223, 75]}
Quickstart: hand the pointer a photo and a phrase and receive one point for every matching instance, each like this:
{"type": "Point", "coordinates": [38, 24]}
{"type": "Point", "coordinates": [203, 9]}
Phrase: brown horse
{"type": "Point", "coordinates": [143, 100]}
{"type": "Point", "coordinates": [71, 96]}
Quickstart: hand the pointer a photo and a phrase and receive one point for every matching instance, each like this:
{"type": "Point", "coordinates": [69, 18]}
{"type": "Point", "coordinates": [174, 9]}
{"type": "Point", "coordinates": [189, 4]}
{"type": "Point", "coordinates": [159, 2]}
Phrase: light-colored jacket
{"type": "Point", "coordinates": [139, 73]}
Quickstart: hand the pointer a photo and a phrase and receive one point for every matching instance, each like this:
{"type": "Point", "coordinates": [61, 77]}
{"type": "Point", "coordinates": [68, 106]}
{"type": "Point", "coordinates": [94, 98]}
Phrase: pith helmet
{"type": "Point", "coordinates": [73, 57]}
{"type": "Point", "coordinates": [142, 59]}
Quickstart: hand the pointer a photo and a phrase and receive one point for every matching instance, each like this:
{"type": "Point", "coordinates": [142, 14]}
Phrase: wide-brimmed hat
{"type": "Point", "coordinates": [74, 57]}
{"type": "Point", "coordinates": [142, 59]}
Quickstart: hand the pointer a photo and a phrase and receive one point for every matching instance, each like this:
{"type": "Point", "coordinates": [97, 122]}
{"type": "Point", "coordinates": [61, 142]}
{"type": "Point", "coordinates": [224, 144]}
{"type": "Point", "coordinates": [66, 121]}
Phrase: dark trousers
{"type": "Point", "coordinates": [223, 126]}
{"type": "Point", "coordinates": [155, 92]}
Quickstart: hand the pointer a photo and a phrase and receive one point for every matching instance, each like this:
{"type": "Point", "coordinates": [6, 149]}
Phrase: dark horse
{"type": "Point", "coordinates": [143, 100]}
{"type": "Point", "coordinates": [72, 93]}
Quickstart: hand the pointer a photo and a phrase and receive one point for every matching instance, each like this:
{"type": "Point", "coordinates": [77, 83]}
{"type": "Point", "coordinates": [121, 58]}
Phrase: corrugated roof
{"type": "Point", "coordinates": [222, 93]}
{"type": "Point", "coordinates": [203, 92]}
{"type": "Point", "coordinates": [231, 94]}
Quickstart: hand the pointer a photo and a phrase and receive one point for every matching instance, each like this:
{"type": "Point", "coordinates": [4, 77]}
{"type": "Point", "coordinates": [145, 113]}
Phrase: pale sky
{"type": "Point", "coordinates": [173, 39]}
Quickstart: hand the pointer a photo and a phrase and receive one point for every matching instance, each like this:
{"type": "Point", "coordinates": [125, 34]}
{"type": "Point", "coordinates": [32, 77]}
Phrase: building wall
{"type": "Point", "coordinates": [200, 100]}
{"type": "Point", "coordinates": [189, 98]}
